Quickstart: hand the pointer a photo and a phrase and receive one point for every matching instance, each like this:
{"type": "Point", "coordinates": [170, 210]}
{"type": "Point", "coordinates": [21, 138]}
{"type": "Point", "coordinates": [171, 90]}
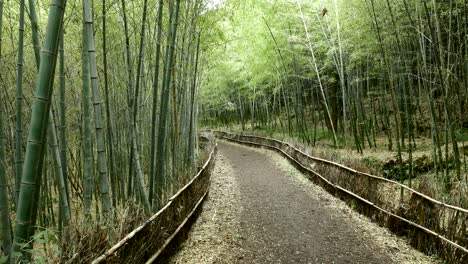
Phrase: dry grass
{"type": "Point", "coordinates": [89, 239]}
{"type": "Point", "coordinates": [94, 237]}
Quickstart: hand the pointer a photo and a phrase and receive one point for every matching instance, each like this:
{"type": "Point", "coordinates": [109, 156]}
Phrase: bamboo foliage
{"type": "Point", "coordinates": [373, 69]}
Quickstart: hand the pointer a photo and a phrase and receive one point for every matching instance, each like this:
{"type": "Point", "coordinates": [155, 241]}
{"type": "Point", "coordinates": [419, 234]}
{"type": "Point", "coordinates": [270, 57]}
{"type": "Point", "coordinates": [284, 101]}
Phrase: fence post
{"type": "Point", "coordinates": [421, 222]}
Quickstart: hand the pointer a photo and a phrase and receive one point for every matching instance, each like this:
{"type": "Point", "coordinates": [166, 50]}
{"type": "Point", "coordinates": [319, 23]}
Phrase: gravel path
{"type": "Point", "coordinates": [262, 210]}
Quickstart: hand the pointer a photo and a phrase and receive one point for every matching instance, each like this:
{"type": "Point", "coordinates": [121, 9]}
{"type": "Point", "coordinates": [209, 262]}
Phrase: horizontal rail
{"type": "Point", "coordinates": [335, 186]}
{"type": "Point", "coordinates": [135, 231]}
{"type": "Point", "coordinates": [168, 241]}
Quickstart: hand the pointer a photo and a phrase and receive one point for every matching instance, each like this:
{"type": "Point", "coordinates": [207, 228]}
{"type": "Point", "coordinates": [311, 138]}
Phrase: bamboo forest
{"type": "Point", "coordinates": [127, 131]}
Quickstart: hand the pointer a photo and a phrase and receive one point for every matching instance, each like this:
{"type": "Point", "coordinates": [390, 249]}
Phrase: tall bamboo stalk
{"type": "Point", "coordinates": [341, 70]}
{"type": "Point", "coordinates": [101, 149]}
{"type": "Point", "coordinates": [140, 177]}
{"type": "Point", "coordinates": [389, 76]}
{"type": "Point", "coordinates": [314, 63]}
{"type": "Point", "coordinates": [31, 177]}
{"type": "Point", "coordinates": [64, 215]}
{"type": "Point", "coordinates": [19, 102]}
{"type": "Point", "coordinates": [162, 131]}
{"type": "Point", "coordinates": [155, 99]}
{"type": "Point", "coordinates": [88, 177]}
{"type": "Point", "coordinates": [192, 130]}
{"type": "Point", "coordinates": [447, 108]}
{"type": "Point", "coordinates": [129, 64]}
{"type": "Point", "coordinates": [34, 30]}
{"type": "Point", "coordinates": [5, 225]}
{"type": "Point", "coordinates": [63, 121]}
{"type": "Point", "coordinates": [113, 175]}
{"type": "Point", "coordinates": [64, 211]}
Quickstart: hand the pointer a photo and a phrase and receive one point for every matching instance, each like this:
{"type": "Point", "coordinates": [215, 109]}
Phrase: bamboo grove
{"type": "Point", "coordinates": [374, 75]}
{"type": "Point", "coordinates": [98, 113]}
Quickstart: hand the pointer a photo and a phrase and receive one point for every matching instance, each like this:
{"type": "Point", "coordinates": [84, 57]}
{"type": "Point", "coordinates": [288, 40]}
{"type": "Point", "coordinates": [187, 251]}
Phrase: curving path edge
{"type": "Point", "coordinates": [262, 210]}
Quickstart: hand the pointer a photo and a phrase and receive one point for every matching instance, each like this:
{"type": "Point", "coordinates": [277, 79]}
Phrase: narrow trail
{"type": "Point", "coordinates": [262, 210]}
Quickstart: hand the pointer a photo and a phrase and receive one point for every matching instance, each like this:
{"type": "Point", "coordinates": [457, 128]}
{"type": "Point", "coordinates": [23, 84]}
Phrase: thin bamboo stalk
{"type": "Point", "coordinates": [101, 149]}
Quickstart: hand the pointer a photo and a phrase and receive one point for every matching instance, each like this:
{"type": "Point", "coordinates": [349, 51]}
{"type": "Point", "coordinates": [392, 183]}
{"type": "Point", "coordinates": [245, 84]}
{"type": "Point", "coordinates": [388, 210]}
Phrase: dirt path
{"type": "Point", "coordinates": [262, 210]}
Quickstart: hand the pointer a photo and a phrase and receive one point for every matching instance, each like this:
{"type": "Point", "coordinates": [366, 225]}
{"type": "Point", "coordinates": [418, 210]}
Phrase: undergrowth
{"type": "Point", "coordinates": [88, 239]}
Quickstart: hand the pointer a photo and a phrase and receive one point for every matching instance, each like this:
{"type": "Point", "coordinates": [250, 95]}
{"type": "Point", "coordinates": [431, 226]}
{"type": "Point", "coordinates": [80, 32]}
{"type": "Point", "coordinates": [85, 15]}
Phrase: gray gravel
{"type": "Point", "coordinates": [261, 210]}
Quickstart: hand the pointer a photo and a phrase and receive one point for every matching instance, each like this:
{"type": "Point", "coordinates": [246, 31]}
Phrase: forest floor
{"type": "Point", "coordinates": [262, 210]}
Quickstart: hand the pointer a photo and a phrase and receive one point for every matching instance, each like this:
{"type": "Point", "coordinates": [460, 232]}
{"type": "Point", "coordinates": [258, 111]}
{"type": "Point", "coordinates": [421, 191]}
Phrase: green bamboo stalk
{"type": "Point", "coordinates": [161, 149]}
{"type": "Point", "coordinates": [174, 121]}
{"type": "Point", "coordinates": [335, 139]}
{"type": "Point", "coordinates": [63, 123]}
{"type": "Point", "coordinates": [88, 177]}
{"type": "Point", "coordinates": [139, 68]}
{"type": "Point", "coordinates": [389, 76]}
{"type": "Point", "coordinates": [129, 92]}
{"type": "Point", "coordinates": [101, 149]}
{"type": "Point", "coordinates": [34, 30]}
{"type": "Point", "coordinates": [162, 131]}
{"type": "Point", "coordinates": [192, 132]}
{"type": "Point", "coordinates": [19, 103]}
{"type": "Point", "coordinates": [108, 116]}
{"type": "Point", "coordinates": [341, 70]}
{"type": "Point", "coordinates": [155, 99]}
{"type": "Point", "coordinates": [285, 69]}
{"type": "Point", "coordinates": [140, 177]}
{"type": "Point", "coordinates": [5, 225]}
{"type": "Point", "coordinates": [31, 177]}
{"type": "Point", "coordinates": [179, 91]}
{"type": "Point", "coordinates": [437, 43]}
{"type": "Point", "coordinates": [64, 216]}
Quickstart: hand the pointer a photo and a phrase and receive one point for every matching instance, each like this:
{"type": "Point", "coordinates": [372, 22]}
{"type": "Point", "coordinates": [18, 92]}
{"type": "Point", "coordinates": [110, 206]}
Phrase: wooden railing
{"type": "Point", "coordinates": [432, 226]}
{"type": "Point", "coordinates": [146, 242]}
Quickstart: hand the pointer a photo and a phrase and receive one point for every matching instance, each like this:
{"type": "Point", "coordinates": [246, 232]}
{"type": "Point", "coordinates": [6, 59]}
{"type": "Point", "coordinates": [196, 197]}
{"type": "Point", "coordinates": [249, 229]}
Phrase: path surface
{"type": "Point", "coordinates": [262, 210]}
